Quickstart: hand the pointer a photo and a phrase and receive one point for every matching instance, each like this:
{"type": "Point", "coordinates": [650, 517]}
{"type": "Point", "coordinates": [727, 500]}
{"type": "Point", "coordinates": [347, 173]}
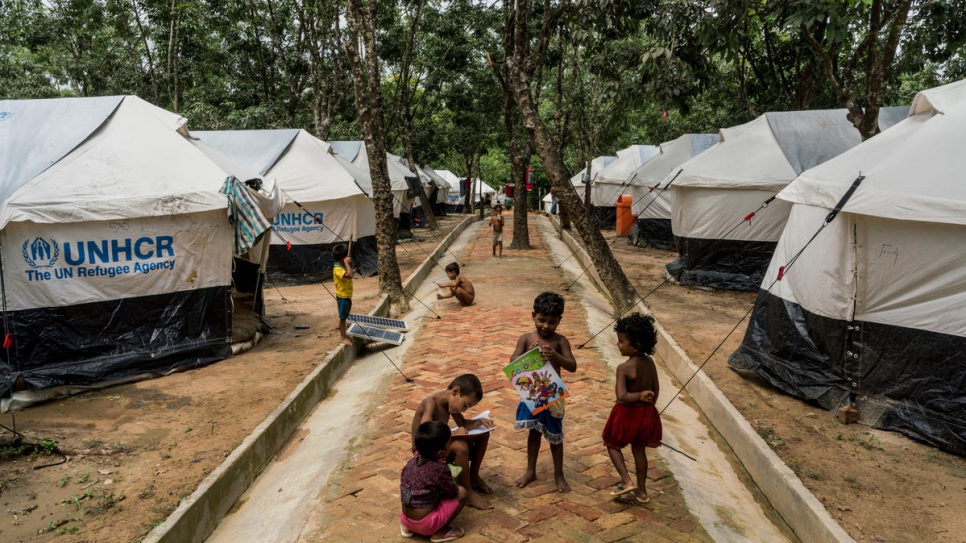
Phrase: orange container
{"type": "Point", "coordinates": [625, 219]}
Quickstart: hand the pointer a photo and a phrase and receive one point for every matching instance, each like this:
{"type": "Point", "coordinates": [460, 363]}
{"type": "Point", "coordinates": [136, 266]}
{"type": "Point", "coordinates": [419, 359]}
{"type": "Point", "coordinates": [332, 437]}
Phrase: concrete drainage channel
{"type": "Point", "coordinates": [798, 507]}
{"type": "Point", "coordinates": [198, 515]}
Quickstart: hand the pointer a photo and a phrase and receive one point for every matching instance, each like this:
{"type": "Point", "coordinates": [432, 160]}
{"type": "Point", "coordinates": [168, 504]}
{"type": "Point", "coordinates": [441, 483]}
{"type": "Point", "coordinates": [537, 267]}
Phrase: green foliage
{"type": "Point", "coordinates": [612, 68]}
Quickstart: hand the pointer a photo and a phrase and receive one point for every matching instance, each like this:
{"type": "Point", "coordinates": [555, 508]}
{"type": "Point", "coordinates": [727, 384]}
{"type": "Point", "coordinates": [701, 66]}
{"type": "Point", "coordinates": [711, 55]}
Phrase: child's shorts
{"type": "Point", "coordinates": [497, 237]}
{"type": "Point", "coordinates": [345, 307]}
{"type": "Point", "coordinates": [548, 422]}
{"type": "Point", "coordinates": [639, 426]}
{"type": "Point", "coordinates": [435, 521]}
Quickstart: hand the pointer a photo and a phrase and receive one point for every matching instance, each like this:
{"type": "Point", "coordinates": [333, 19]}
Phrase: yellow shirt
{"type": "Point", "coordinates": [343, 284]}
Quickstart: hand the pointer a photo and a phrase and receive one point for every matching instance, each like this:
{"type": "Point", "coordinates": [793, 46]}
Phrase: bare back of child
{"type": "Point", "coordinates": [634, 419]}
{"type": "Point", "coordinates": [464, 392]}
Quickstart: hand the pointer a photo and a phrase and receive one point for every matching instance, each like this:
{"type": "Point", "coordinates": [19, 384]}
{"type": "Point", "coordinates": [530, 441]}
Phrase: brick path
{"type": "Point", "coordinates": [361, 503]}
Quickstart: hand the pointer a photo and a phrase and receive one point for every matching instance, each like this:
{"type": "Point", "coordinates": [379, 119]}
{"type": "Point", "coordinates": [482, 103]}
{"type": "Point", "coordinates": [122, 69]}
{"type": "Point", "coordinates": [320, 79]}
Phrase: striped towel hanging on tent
{"type": "Point", "coordinates": [245, 214]}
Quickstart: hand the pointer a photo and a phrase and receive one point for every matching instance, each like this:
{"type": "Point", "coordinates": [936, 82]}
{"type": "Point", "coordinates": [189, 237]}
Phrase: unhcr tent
{"type": "Point", "coordinates": [873, 311]}
{"type": "Point", "coordinates": [327, 199]}
{"type": "Point", "coordinates": [116, 241]}
{"type": "Point", "coordinates": [717, 189]}
{"type": "Point", "coordinates": [614, 180]}
{"type": "Point", "coordinates": [651, 203]}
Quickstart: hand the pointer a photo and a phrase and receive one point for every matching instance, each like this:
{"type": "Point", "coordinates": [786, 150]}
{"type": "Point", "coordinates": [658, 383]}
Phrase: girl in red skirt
{"type": "Point", "coordinates": [634, 420]}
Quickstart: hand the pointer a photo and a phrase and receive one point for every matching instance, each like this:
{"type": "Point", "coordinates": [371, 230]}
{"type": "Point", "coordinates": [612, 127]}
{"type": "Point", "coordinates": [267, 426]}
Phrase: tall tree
{"type": "Point", "coordinates": [409, 79]}
{"type": "Point", "coordinates": [857, 42]}
{"type": "Point", "coordinates": [524, 54]}
{"type": "Point", "coordinates": [361, 52]}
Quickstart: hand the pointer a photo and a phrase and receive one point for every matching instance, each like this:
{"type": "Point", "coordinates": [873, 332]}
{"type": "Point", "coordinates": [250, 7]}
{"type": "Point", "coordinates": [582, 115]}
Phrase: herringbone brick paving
{"type": "Point", "coordinates": [361, 503]}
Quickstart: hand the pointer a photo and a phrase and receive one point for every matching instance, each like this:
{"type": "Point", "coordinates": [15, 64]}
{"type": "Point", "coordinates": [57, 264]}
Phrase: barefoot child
{"type": "Point", "coordinates": [547, 311]}
{"type": "Point", "coordinates": [460, 286]}
{"type": "Point", "coordinates": [634, 420]}
{"type": "Point", "coordinates": [467, 452]}
{"type": "Point", "coordinates": [430, 497]}
{"type": "Point", "coordinates": [342, 276]}
{"type": "Point", "coordinates": [496, 222]}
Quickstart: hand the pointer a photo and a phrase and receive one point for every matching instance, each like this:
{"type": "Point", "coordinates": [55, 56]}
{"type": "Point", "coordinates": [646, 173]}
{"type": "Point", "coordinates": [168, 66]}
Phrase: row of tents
{"type": "Point", "coordinates": [857, 250]}
{"type": "Point", "coordinates": [123, 236]}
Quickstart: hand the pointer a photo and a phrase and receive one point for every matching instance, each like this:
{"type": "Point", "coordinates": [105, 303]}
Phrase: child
{"type": "Point", "coordinates": [342, 276]}
{"type": "Point", "coordinates": [460, 287]}
{"type": "Point", "coordinates": [634, 420]}
{"type": "Point", "coordinates": [430, 497]}
{"type": "Point", "coordinates": [547, 310]}
{"type": "Point", "coordinates": [496, 221]}
{"type": "Point", "coordinates": [467, 452]}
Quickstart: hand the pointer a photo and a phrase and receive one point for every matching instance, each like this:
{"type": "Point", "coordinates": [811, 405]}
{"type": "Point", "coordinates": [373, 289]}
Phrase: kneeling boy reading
{"type": "Point", "coordinates": [467, 452]}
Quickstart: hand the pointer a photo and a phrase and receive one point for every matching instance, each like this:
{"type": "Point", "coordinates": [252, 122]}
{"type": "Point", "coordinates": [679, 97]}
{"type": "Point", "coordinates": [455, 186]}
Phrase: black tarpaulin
{"type": "Point", "coordinates": [720, 263]}
{"type": "Point", "coordinates": [88, 343]}
{"type": "Point", "coordinates": [901, 379]}
{"type": "Point", "coordinates": [314, 262]}
{"type": "Point", "coordinates": [654, 233]}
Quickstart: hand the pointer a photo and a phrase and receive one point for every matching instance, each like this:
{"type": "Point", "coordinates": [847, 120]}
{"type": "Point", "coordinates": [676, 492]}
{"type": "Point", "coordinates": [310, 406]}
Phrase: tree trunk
{"type": "Point", "coordinates": [621, 291]}
{"type": "Point", "coordinates": [519, 161]}
{"type": "Point", "coordinates": [423, 197]}
{"type": "Point", "coordinates": [368, 98]}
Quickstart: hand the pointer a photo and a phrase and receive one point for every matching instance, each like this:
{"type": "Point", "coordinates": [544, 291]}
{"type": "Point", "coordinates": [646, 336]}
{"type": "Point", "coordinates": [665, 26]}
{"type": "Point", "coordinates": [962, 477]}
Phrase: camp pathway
{"type": "Point", "coordinates": [361, 501]}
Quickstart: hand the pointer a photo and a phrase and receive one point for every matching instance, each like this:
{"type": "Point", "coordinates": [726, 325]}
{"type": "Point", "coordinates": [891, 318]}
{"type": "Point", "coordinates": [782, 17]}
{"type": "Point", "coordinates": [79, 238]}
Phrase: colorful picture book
{"type": "Point", "coordinates": [536, 381]}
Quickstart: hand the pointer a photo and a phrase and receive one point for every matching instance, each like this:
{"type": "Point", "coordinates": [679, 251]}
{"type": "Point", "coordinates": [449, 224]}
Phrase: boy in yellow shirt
{"type": "Point", "coordinates": [342, 276]}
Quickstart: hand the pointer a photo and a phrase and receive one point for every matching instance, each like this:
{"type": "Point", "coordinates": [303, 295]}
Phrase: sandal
{"type": "Point", "coordinates": [621, 489]}
{"type": "Point", "coordinates": [450, 535]}
{"type": "Point", "coordinates": [404, 531]}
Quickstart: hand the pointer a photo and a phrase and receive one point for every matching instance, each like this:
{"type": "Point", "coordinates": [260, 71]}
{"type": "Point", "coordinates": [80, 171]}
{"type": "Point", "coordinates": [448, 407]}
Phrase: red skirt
{"type": "Point", "coordinates": [638, 425]}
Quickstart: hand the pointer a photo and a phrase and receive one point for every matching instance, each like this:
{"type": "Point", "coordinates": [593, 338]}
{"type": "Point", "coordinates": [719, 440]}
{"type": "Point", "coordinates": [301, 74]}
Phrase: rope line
{"type": "Point", "coordinates": [632, 306]}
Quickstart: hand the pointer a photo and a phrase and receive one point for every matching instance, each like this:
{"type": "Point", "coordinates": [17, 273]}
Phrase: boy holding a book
{"type": "Point", "coordinates": [547, 311]}
{"type": "Point", "coordinates": [466, 451]}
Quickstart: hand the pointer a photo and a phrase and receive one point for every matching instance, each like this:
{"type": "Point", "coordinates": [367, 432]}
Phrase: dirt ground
{"type": "Point", "coordinates": [136, 450]}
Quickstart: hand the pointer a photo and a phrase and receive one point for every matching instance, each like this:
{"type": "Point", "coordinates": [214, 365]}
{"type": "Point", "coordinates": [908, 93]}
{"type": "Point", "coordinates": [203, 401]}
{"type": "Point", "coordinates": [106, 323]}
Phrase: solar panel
{"type": "Point", "coordinates": [375, 334]}
{"type": "Point", "coordinates": [381, 322]}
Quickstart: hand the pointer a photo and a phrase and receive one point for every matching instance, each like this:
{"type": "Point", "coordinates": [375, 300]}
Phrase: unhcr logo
{"type": "Point", "coordinates": [40, 253]}
{"type": "Point", "coordinates": [4, 115]}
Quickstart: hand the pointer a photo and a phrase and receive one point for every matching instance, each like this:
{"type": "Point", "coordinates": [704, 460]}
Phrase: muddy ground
{"type": "Point", "coordinates": [136, 450]}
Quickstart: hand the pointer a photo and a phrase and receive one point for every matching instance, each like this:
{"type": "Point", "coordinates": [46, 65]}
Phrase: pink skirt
{"type": "Point", "coordinates": [639, 426]}
{"type": "Point", "coordinates": [435, 521]}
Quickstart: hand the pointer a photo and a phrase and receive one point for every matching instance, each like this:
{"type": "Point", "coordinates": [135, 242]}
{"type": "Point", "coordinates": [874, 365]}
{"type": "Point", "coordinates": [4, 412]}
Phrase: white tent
{"type": "Point", "coordinates": [596, 165]}
{"type": "Point", "coordinates": [453, 196]}
{"type": "Point", "coordinates": [435, 182]}
{"type": "Point", "coordinates": [717, 189]}
{"type": "Point", "coordinates": [117, 248]}
{"type": "Point", "coordinates": [327, 199]}
{"type": "Point", "coordinates": [615, 179]}
{"type": "Point", "coordinates": [871, 311]}
{"type": "Point", "coordinates": [651, 203]}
